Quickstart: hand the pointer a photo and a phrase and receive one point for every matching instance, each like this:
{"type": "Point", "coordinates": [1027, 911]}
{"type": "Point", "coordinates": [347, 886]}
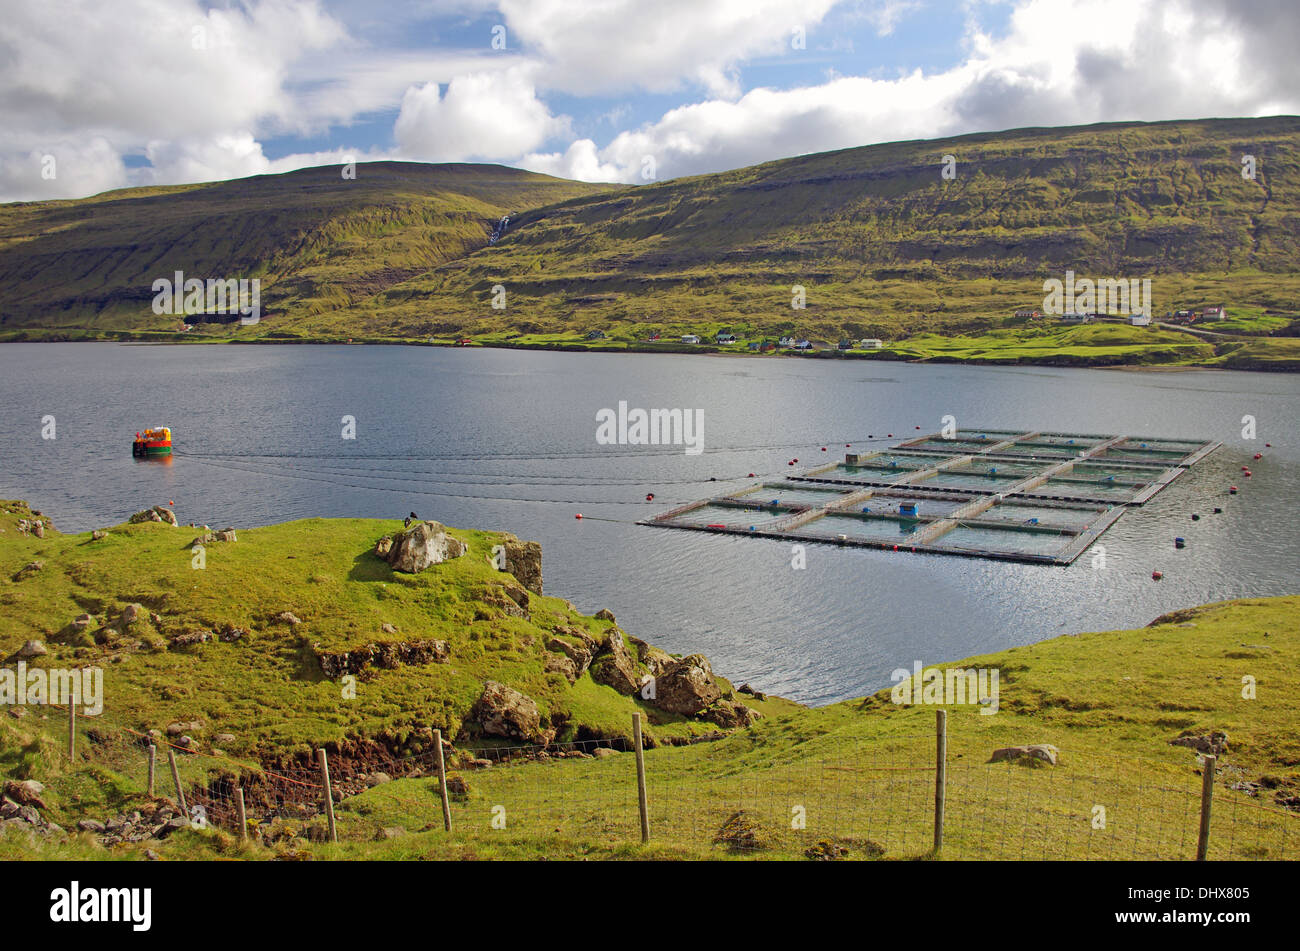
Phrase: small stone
{"type": "Point", "coordinates": [387, 628]}
{"type": "Point", "coordinates": [90, 825]}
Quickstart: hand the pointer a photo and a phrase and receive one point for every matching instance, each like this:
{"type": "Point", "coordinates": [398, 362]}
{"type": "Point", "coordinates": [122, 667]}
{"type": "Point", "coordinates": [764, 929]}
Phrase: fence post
{"type": "Point", "coordinates": [153, 766]}
{"type": "Point", "coordinates": [72, 730]}
{"type": "Point", "coordinates": [176, 778]}
{"type": "Point", "coordinates": [940, 774]}
{"type": "Point", "coordinates": [243, 816]}
{"type": "Point", "coordinates": [1207, 799]}
{"type": "Point", "coordinates": [442, 780]}
{"type": "Point", "coordinates": [329, 793]}
{"type": "Point", "coordinates": [640, 779]}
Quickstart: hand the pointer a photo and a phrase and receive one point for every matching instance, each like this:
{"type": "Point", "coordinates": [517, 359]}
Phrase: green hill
{"type": "Point", "coordinates": [881, 243]}
{"type": "Point", "coordinates": [317, 241]}
{"type": "Point", "coordinates": [1124, 710]}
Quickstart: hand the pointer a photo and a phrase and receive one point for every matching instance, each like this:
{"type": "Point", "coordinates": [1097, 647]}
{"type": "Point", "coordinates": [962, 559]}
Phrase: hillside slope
{"type": "Point", "coordinates": [880, 242]}
{"type": "Point", "coordinates": [885, 246]}
{"type": "Point", "coordinates": [316, 240]}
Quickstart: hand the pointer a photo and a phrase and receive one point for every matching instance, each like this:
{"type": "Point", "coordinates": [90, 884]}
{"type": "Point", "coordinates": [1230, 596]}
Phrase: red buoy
{"type": "Point", "coordinates": [847, 445]}
{"type": "Point", "coordinates": [1157, 575]}
{"type": "Point", "coordinates": [1259, 455]}
{"type": "Point", "coordinates": [1232, 490]}
{"type": "Point", "coordinates": [1247, 473]}
{"type": "Point", "coordinates": [750, 476]}
{"type": "Point", "coordinates": [918, 427]}
{"type": "Point", "coordinates": [649, 496]}
{"type": "Point", "coordinates": [823, 448]}
{"type": "Point", "coordinates": [1268, 445]}
{"type": "Point", "coordinates": [890, 436]}
{"type": "Point", "coordinates": [579, 515]}
{"type": "Point", "coordinates": [1245, 468]}
{"type": "Point", "coordinates": [790, 463]}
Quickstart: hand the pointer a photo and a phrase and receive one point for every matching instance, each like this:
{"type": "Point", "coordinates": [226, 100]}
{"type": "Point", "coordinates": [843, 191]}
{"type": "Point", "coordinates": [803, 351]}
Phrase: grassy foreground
{"type": "Point", "coordinates": [852, 780]}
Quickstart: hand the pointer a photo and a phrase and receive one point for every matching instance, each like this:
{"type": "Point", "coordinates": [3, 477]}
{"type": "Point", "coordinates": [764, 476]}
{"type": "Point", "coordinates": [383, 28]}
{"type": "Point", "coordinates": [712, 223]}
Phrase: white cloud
{"type": "Point", "coordinates": [1060, 62]}
{"type": "Point", "coordinates": [64, 169]}
{"type": "Point", "coordinates": [579, 161]}
{"type": "Point", "coordinates": [488, 115]}
{"type": "Point", "coordinates": [612, 45]}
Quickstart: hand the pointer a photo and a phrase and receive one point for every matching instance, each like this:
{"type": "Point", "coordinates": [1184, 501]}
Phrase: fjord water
{"type": "Point", "coordinates": [497, 439]}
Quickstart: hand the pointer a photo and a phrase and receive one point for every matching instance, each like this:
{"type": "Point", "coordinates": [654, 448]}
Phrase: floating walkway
{"type": "Point", "coordinates": [1020, 496]}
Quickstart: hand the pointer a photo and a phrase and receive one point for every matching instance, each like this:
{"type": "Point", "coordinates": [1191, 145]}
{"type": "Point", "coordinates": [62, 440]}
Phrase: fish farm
{"type": "Point", "coordinates": [1021, 496]}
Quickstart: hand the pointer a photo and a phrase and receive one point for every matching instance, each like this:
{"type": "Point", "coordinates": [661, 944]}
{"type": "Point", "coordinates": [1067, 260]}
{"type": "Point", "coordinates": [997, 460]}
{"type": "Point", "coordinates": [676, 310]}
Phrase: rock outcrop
{"type": "Point", "coordinates": [687, 686]}
{"type": "Point", "coordinates": [524, 561]}
{"type": "Point", "coordinates": [1213, 744]}
{"type": "Point", "coordinates": [421, 545]}
{"type": "Point", "coordinates": [505, 712]}
{"type": "Point", "coordinates": [386, 656]}
{"type": "Point", "coordinates": [614, 666]}
{"type": "Point", "coordinates": [1039, 752]}
{"type": "Point", "coordinates": [159, 513]}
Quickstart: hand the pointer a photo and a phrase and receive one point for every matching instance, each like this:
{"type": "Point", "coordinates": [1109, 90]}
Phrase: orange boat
{"type": "Point", "coordinates": [152, 443]}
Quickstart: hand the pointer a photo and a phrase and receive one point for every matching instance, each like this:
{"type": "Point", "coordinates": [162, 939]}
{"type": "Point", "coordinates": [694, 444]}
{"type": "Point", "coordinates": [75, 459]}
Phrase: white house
{"type": "Point", "coordinates": [1213, 313]}
{"type": "Point", "coordinates": [871, 343]}
{"type": "Point", "coordinates": [787, 341]}
{"type": "Point", "coordinates": [802, 345]}
{"type": "Point", "coordinates": [1139, 320]}
{"type": "Point", "coordinates": [690, 338]}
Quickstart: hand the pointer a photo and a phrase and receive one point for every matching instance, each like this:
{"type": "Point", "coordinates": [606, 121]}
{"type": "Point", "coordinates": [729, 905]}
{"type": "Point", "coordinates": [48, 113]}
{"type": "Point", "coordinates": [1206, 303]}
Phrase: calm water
{"type": "Point", "coordinates": [506, 440]}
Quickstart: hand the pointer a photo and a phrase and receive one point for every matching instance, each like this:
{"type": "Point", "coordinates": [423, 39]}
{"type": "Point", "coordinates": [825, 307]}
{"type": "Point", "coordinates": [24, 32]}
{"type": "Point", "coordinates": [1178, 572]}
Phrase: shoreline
{"type": "Point", "coordinates": [1062, 361]}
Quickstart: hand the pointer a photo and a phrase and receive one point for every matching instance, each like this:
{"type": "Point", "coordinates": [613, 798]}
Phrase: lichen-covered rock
{"type": "Point", "coordinates": [1037, 753]}
{"type": "Point", "coordinates": [614, 665]}
{"type": "Point", "coordinates": [388, 656]}
{"type": "Point", "coordinates": [422, 545]}
{"type": "Point", "coordinates": [731, 715]}
{"type": "Point", "coordinates": [686, 686]}
{"type": "Point", "coordinates": [504, 711]}
{"type": "Point", "coordinates": [1213, 744]}
{"type": "Point", "coordinates": [524, 561]}
{"type": "Point", "coordinates": [579, 656]}
{"type": "Point", "coordinates": [652, 658]}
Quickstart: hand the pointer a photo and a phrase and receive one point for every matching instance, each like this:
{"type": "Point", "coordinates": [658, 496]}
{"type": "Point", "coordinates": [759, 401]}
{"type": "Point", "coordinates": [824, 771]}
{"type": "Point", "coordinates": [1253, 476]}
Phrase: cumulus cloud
{"type": "Point", "coordinates": [481, 115]}
{"type": "Point", "coordinates": [579, 161]}
{"type": "Point", "coordinates": [1059, 62]}
{"type": "Point", "coordinates": [616, 45]}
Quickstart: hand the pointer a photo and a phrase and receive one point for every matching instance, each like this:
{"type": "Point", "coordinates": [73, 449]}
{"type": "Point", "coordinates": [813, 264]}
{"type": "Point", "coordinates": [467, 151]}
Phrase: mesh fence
{"type": "Point", "coordinates": [859, 802]}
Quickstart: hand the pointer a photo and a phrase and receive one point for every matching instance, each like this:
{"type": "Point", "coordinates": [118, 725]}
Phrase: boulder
{"type": "Point", "coordinates": [26, 792]}
{"type": "Point", "coordinates": [504, 711]}
{"type": "Point", "coordinates": [605, 614]}
{"type": "Point", "coordinates": [687, 686]}
{"type": "Point", "coordinates": [288, 617]}
{"type": "Point", "coordinates": [580, 656]}
{"type": "Point", "coordinates": [98, 535]}
{"type": "Point", "coordinates": [148, 515]}
{"type": "Point", "coordinates": [614, 666]}
{"type": "Point", "coordinates": [1213, 744]}
{"type": "Point", "coordinates": [422, 545]}
{"type": "Point", "coordinates": [38, 529]}
{"type": "Point", "coordinates": [560, 664]}
{"type": "Point", "coordinates": [604, 752]}
{"type": "Point", "coordinates": [652, 658]}
{"type": "Point", "coordinates": [378, 779]}
{"type": "Point", "coordinates": [178, 727]}
{"type": "Point", "coordinates": [32, 649]}
{"type": "Point", "coordinates": [165, 514]}
{"type": "Point", "coordinates": [1040, 752]}
{"type": "Point", "coordinates": [387, 628]}
{"type": "Point", "coordinates": [131, 613]}
{"type": "Point", "coordinates": [731, 715]}
{"type": "Point", "coordinates": [524, 561]}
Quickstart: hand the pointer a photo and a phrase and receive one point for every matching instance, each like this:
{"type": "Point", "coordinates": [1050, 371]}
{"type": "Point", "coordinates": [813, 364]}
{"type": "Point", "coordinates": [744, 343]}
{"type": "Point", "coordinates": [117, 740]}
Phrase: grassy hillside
{"type": "Point", "coordinates": [881, 243]}
{"type": "Point", "coordinates": [860, 773]}
{"type": "Point", "coordinates": [318, 242]}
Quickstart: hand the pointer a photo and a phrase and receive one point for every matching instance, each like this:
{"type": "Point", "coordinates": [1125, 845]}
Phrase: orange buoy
{"type": "Point", "coordinates": [579, 515]}
{"type": "Point", "coordinates": [1157, 575]}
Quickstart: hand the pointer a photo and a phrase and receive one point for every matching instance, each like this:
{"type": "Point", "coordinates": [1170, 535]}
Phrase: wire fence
{"type": "Point", "coordinates": [858, 803]}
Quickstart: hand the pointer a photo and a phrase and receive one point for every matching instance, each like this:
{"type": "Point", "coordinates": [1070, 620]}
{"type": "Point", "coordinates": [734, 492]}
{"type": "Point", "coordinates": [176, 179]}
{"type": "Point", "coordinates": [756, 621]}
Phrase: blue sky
{"type": "Point", "coordinates": [173, 91]}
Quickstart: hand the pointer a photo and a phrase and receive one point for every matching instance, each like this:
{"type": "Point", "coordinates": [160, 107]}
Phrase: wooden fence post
{"type": "Point", "coordinates": [243, 816]}
{"type": "Point", "coordinates": [640, 779]}
{"type": "Point", "coordinates": [940, 774]}
{"type": "Point", "coordinates": [1207, 799]}
{"type": "Point", "coordinates": [72, 730]}
{"type": "Point", "coordinates": [176, 778]}
{"type": "Point", "coordinates": [329, 793]}
{"type": "Point", "coordinates": [153, 767]}
{"type": "Point", "coordinates": [442, 781]}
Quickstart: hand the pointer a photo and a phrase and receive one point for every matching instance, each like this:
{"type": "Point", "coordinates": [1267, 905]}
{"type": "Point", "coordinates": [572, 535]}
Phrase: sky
{"type": "Point", "coordinates": [103, 94]}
